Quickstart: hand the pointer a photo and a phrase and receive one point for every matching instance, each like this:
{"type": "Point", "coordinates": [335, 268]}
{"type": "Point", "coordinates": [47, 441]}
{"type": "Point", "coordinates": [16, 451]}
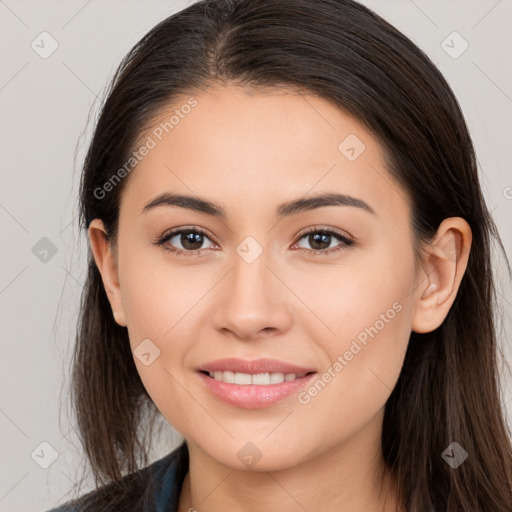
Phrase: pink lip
{"type": "Point", "coordinates": [252, 367]}
{"type": "Point", "coordinates": [252, 396]}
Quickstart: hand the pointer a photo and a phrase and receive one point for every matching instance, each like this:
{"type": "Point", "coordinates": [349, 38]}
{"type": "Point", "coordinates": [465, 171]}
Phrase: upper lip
{"type": "Point", "coordinates": [263, 365]}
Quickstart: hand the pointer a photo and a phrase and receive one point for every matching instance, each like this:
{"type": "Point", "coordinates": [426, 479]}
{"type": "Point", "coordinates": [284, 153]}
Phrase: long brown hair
{"type": "Point", "coordinates": [449, 387]}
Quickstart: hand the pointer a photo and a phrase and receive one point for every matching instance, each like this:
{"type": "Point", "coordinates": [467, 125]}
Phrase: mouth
{"type": "Point", "coordinates": [242, 369]}
{"type": "Point", "coordinates": [253, 390]}
{"type": "Point", "coordinates": [257, 379]}
{"type": "Point", "coordinates": [253, 384]}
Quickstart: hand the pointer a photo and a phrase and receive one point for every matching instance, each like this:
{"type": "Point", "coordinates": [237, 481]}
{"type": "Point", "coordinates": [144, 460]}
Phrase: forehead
{"type": "Point", "coordinates": [241, 147]}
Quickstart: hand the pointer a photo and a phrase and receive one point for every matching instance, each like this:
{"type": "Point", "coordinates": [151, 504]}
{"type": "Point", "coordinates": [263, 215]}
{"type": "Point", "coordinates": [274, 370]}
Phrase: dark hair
{"type": "Point", "coordinates": [449, 386]}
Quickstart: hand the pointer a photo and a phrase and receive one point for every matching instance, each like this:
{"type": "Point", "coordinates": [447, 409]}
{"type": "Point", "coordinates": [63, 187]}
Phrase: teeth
{"type": "Point", "coordinates": [258, 378]}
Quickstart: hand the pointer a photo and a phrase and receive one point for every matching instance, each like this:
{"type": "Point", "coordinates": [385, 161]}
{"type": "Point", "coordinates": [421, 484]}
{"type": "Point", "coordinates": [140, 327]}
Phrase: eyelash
{"type": "Point", "coordinates": [346, 242]}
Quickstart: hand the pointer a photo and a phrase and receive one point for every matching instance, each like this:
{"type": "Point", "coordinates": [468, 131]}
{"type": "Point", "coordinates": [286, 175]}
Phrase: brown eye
{"type": "Point", "coordinates": [320, 241]}
{"type": "Point", "coordinates": [187, 242]}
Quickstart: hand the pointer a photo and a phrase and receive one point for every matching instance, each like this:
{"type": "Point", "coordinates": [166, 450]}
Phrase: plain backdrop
{"type": "Point", "coordinates": [45, 103]}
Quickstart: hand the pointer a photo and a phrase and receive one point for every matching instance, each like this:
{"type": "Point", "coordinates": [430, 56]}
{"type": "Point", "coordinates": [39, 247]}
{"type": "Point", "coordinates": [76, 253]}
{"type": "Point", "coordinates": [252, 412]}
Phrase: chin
{"type": "Point", "coordinates": [256, 457]}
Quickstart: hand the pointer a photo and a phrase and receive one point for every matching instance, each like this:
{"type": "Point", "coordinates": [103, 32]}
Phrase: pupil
{"type": "Point", "coordinates": [320, 238]}
{"type": "Point", "coordinates": [191, 238]}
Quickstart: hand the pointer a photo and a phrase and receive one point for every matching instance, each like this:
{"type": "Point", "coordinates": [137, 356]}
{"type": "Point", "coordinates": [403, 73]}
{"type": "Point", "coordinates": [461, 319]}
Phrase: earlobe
{"type": "Point", "coordinates": [107, 265]}
{"type": "Point", "coordinates": [119, 318]}
{"type": "Point", "coordinates": [444, 265]}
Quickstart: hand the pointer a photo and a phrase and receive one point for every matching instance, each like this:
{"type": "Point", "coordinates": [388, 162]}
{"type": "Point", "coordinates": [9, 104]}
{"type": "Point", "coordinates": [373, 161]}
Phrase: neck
{"type": "Point", "coordinates": [350, 477]}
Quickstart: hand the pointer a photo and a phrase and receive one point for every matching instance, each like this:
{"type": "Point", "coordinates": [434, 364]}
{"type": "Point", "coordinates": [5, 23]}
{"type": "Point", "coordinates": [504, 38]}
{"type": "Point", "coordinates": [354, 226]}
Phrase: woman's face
{"type": "Point", "coordinates": [260, 287]}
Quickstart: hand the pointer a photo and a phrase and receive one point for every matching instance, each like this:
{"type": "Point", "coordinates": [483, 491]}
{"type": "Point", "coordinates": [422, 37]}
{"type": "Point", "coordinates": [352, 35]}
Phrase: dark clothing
{"type": "Point", "coordinates": [168, 475]}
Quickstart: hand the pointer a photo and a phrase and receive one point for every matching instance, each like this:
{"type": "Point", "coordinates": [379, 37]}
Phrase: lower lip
{"type": "Point", "coordinates": [254, 396]}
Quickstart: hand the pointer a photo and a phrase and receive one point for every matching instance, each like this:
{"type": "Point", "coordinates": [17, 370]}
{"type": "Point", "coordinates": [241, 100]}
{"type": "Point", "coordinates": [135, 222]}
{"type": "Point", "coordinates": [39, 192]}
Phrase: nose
{"type": "Point", "coordinates": [253, 301]}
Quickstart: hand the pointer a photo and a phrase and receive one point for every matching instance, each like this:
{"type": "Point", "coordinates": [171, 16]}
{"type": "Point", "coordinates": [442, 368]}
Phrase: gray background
{"type": "Point", "coordinates": [44, 108]}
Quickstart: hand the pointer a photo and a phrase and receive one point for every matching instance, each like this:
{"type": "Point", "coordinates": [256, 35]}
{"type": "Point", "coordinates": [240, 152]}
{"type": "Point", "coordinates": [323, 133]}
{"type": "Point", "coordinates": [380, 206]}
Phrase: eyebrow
{"type": "Point", "coordinates": [284, 210]}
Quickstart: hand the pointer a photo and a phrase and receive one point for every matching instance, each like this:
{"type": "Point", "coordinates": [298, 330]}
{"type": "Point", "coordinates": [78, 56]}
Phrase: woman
{"type": "Point", "coordinates": [290, 262]}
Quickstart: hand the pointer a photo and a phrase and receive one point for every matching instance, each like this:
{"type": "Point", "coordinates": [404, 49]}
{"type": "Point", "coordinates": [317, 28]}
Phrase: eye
{"type": "Point", "coordinates": [190, 240]}
{"type": "Point", "coordinates": [321, 239]}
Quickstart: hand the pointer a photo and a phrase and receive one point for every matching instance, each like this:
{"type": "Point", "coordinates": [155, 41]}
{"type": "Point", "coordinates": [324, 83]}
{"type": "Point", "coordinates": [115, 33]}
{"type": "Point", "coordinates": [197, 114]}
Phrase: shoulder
{"type": "Point", "coordinates": [167, 475]}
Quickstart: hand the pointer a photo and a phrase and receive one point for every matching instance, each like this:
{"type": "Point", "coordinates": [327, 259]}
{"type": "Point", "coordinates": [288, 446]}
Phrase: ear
{"type": "Point", "coordinates": [106, 261]}
{"type": "Point", "coordinates": [444, 264]}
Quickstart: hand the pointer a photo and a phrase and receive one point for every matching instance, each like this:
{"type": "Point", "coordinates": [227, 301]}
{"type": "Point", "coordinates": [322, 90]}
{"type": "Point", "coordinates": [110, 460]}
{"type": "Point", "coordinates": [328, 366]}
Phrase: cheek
{"type": "Point", "coordinates": [363, 324]}
{"type": "Point", "coordinates": [159, 298]}
{"type": "Point", "coordinates": [363, 362]}
{"type": "Point", "coordinates": [162, 305]}
{"type": "Point", "coordinates": [346, 298]}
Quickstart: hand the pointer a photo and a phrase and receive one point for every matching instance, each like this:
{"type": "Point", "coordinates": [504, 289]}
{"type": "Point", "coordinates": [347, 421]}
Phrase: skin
{"type": "Point", "coordinates": [249, 153]}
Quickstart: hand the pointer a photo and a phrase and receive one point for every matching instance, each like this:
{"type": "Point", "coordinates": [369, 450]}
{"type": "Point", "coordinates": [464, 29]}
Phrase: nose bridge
{"type": "Point", "coordinates": [250, 284]}
{"type": "Point", "coordinates": [250, 272]}
{"type": "Point", "coordinates": [252, 300]}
